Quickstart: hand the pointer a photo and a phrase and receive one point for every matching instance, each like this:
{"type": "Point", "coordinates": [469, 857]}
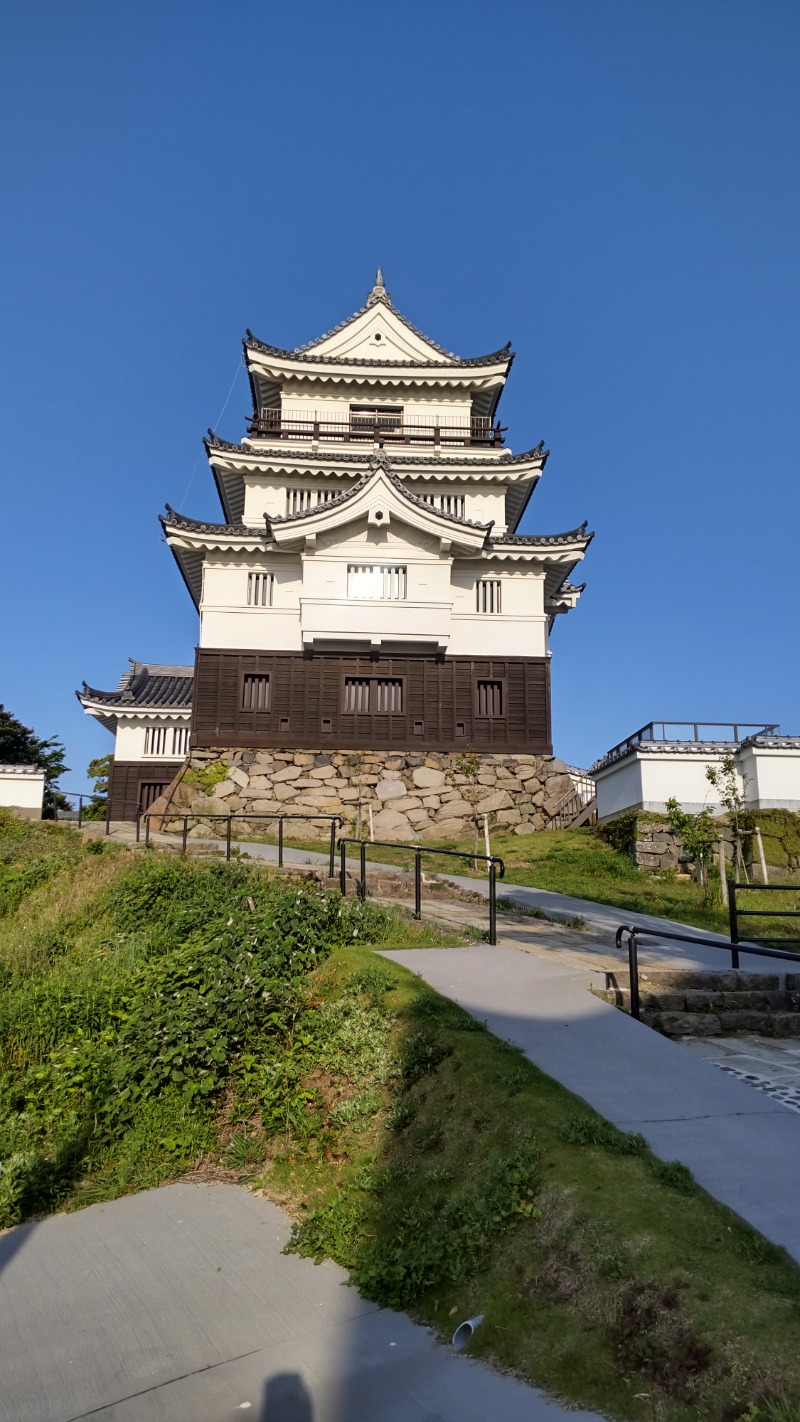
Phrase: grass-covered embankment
{"type": "Point", "coordinates": [156, 1012]}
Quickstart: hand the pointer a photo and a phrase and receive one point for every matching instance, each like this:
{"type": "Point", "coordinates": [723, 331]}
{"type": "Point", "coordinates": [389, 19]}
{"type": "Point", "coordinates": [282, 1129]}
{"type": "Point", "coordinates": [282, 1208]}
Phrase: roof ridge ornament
{"type": "Point", "coordinates": [379, 292]}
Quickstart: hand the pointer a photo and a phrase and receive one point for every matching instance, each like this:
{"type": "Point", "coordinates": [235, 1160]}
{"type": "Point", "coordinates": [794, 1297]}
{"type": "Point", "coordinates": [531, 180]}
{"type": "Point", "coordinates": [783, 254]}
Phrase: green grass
{"type": "Point", "coordinates": [159, 1016]}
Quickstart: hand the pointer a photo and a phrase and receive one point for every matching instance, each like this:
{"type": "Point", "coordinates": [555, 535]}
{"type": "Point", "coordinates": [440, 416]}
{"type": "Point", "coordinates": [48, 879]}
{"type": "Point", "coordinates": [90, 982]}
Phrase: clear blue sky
{"type": "Point", "coordinates": [611, 184]}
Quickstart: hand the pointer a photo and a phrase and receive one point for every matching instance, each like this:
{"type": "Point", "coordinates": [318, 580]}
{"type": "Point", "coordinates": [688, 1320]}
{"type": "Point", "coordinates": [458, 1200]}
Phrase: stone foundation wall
{"type": "Point", "coordinates": [412, 795]}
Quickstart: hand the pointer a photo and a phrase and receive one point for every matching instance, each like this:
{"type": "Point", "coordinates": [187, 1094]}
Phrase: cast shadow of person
{"type": "Point", "coordinates": [286, 1399]}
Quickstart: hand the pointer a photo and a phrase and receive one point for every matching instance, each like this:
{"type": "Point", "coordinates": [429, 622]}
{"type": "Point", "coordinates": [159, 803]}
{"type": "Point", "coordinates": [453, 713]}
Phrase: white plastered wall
{"type": "Point", "coordinates": [22, 790]}
{"type": "Point", "coordinates": [647, 779]}
{"type": "Point", "coordinates": [310, 597]}
{"type": "Point", "coordinates": [129, 744]}
{"type": "Point", "coordinates": [306, 400]}
{"type": "Point", "coordinates": [772, 776]}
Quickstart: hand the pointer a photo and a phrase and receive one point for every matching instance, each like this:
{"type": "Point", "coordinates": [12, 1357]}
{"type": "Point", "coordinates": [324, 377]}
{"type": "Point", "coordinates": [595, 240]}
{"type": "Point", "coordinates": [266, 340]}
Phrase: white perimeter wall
{"type": "Point", "coordinates": [22, 788]}
{"type": "Point", "coordinates": [768, 778]}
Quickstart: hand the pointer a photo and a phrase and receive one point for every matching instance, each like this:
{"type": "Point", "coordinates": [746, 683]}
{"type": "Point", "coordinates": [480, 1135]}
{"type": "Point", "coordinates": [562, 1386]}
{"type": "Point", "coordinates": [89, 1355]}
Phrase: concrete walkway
{"type": "Point", "coordinates": [177, 1305]}
{"type": "Point", "coordinates": [741, 1146]}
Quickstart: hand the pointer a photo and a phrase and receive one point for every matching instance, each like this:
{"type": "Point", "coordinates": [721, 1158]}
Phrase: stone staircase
{"type": "Point", "coordinates": [693, 1003]}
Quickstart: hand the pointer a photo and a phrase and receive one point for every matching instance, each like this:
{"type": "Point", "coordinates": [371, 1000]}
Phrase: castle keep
{"type": "Point", "coordinates": [367, 599]}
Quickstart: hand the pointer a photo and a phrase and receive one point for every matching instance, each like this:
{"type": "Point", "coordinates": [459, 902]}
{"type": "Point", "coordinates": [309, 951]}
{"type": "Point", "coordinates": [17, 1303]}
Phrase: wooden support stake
{"type": "Point", "coordinates": [486, 835]}
{"type": "Point", "coordinates": [764, 874]}
{"type": "Point", "coordinates": [371, 826]}
{"type": "Point", "coordinates": [723, 874]}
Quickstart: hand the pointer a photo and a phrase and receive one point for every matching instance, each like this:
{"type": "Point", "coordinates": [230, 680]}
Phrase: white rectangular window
{"type": "Point", "coordinates": [155, 740]}
{"type": "Point", "coordinates": [297, 501]}
{"type": "Point", "coordinates": [260, 589]}
{"type": "Point", "coordinates": [380, 584]}
{"type": "Point", "coordinates": [169, 741]}
{"type": "Point", "coordinates": [180, 740]}
{"type": "Point", "coordinates": [487, 595]}
{"type": "Point", "coordinates": [454, 504]}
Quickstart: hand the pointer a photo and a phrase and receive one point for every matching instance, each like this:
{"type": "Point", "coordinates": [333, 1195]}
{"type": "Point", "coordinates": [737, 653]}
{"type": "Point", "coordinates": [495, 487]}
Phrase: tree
{"type": "Point", "coordinates": [466, 767]}
{"type": "Point", "coordinates": [19, 745]}
{"type": "Point", "coordinates": [699, 833]}
{"type": "Point", "coordinates": [98, 770]}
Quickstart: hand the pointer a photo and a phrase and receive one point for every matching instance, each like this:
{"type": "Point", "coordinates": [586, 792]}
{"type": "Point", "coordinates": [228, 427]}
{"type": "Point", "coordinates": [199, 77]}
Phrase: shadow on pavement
{"type": "Point", "coordinates": [286, 1399]}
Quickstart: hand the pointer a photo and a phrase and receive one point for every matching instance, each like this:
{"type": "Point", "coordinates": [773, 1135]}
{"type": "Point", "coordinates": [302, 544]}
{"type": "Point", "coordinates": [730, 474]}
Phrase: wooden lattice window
{"type": "Point", "coordinates": [489, 697]}
{"type": "Point", "coordinates": [255, 691]}
{"type": "Point", "coordinates": [487, 595]}
{"type": "Point", "coordinates": [260, 589]}
{"type": "Point", "coordinates": [373, 695]}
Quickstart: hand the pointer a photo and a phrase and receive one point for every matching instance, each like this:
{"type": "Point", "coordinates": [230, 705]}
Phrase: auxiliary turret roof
{"type": "Point", "coordinates": [147, 686]}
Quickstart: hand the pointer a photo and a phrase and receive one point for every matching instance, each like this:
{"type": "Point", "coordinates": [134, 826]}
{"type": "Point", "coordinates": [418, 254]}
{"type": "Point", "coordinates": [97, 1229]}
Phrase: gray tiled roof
{"type": "Point", "coordinates": [147, 684]}
{"type": "Point", "coordinates": [213, 441]}
{"type": "Point", "coordinates": [526, 539]}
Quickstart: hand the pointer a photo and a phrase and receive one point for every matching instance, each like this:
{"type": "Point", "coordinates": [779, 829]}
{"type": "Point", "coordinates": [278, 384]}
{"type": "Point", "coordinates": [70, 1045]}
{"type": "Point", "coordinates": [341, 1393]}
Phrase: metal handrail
{"type": "Point", "coordinates": [336, 821]}
{"type": "Point", "coordinates": [634, 934]}
{"type": "Point", "coordinates": [477, 431]}
{"type": "Point", "coordinates": [493, 860]}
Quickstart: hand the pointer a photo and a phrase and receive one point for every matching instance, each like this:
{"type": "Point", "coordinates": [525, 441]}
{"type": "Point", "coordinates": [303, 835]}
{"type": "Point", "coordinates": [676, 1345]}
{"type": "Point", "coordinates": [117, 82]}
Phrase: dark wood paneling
{"type": "Point", "coordinates": [128, 776]}
{"type": "Point", "coordinates": [306, 689]}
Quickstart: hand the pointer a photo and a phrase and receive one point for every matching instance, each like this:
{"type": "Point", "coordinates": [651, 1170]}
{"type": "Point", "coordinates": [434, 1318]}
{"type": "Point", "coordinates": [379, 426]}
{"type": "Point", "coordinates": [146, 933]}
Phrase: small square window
{"type": "Point", "coordinates": [461, 729]}
{"type": "Point", "coordinates": [419, 728]}
{"type": "Point", "coordinates": [327, 726]}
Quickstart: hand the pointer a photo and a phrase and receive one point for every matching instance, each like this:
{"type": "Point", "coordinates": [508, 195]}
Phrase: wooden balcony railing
{"type": "Point", "coordinates": [273, 424]}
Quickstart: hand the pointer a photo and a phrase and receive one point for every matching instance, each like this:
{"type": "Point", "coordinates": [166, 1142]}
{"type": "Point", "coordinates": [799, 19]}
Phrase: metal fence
{"type": "Point", "coordinates": [493, 860]}
{"type": "Point", "coordinates": [736, 912]}
{"type": "Point", "coordinates": [335, 822]}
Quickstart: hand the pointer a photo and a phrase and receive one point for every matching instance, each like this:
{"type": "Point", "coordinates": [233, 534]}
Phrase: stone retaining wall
{"type": "Point", "coordinates": [412, 795]}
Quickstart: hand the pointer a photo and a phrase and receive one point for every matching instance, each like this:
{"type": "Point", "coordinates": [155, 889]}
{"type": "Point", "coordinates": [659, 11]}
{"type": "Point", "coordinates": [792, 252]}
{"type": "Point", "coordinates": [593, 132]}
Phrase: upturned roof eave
{"type": "Point", "coordinates": [501, 464]}
{"type": "Point", "coordinates": [460, 368]}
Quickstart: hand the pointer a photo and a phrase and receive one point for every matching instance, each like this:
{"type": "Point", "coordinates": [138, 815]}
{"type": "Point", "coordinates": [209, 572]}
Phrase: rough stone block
{"type": "Point", "coordinates": [239, 777]}
{"type": "Point", "coordinates": [432, 802]}
{"type": "Point", "coordinates": [500, 800]}
{"type": "Point", "coordinates": [283, 791]}
{"type": "Point", "coordinates": [408, 802]}
{"type": "Point", "coordinates": [425, 777]}
{"type": "Point", "coordinates": [447, 829]}
{"type": "Point", "coordinates": [304, 758]}
{"type": "Point", "coordinates": [686, 1024]}
{"type": "Point", "coordinates": [224, 789]}
{"type": "Point", "coordinates": [323, 772]}
{"type": "Point", "coordinates": [453, 810]}
{"type": "Point", "coordinates": [287, 772]}
{"type": "Point", "coordinates": [389, 819]}
{"type": "Point", "coordinates": [390, 789]}
{"type": "Point", "coordinates": [418, 818]}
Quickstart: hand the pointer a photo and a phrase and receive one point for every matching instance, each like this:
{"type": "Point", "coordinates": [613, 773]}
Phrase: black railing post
{"type": "Point", "coordinates": [228, 829]}
{"type": "Point", "coordinates": [80, 811]}
{"type": "Point", "coordinates": [138, 821]}
{"type": "Point", "coordinates": [418, 884]}
{"type": "Point", "coordinates": [734, 921]}
{"type": "Point", "coordinates": [108, 810]}
{"type": "Point", "coordinates": [332, 860]}
{"type": "Point", "coordinates": [185, 833]}
{"type": "Point", "coordinates": [633, 972]}
{"type": "Point", "coordinates": [280, 842]}
{"type": "Point", "coordinates": [362, 887]}
{"type": "Point", "coordinates": [147, 831]}
{"type": "Point", "coordinates": [492, 903]}
{"type": "Point", "coordinates": [342, 868]}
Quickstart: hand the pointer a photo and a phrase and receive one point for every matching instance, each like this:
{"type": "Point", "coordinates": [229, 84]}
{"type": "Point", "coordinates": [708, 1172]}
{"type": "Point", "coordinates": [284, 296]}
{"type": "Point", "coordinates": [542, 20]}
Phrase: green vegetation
{"type": "Point", "coordinates": [19, 745]}
{"type": "Point", "coordinates": [207, 777]}
{"type": "Point", "coordinates": [161, 1015]}
{"type": "Point", "coordinates": [98, 770]}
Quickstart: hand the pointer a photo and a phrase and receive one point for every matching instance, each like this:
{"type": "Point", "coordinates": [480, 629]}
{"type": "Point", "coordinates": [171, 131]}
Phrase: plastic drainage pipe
{"type": "Point", "coordinates": [465, 1331]}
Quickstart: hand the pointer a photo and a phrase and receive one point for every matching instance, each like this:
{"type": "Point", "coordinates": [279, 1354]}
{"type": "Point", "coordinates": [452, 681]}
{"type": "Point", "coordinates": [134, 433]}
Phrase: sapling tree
{"type": "Point", "coordinates": [466, 767]}
{"type": "Point", "coordinates": [725, 780]}
{"type": "Point", "coordinates": [699, 834]}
